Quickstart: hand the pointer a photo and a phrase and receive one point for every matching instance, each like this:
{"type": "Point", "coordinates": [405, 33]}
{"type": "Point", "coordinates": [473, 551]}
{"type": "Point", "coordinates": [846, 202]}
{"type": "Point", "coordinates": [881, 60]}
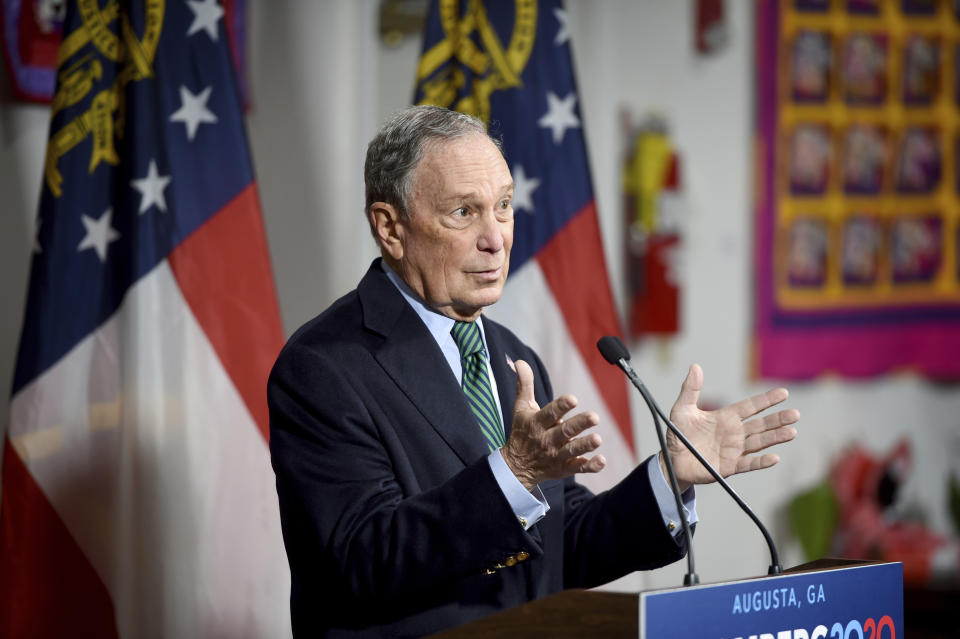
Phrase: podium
{"type": "Point", "coordinates": [826, 599]}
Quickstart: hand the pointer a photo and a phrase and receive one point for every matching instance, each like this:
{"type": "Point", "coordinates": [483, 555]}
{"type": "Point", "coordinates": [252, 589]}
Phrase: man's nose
{"type": "Point", "coordinates": [490, 236]}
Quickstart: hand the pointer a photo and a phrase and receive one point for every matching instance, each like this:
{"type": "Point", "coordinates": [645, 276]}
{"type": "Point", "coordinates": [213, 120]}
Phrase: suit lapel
{"type": "Point", "coordinates": [412, 359]}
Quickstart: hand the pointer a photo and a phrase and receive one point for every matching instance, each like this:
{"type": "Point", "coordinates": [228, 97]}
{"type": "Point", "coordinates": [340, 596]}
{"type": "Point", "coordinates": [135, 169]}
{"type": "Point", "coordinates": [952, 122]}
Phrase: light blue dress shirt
{"type": "Point", "coordinates": [529, 507]}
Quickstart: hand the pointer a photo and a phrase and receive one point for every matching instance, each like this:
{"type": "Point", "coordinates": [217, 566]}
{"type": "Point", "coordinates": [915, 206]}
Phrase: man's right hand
{"type": "Point", "coordinates": [543, 445]}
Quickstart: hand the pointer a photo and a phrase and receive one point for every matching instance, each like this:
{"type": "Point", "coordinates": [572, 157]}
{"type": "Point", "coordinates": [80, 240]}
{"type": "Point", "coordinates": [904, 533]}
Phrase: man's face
{"type": "Point", "coordinates": [454, 250]}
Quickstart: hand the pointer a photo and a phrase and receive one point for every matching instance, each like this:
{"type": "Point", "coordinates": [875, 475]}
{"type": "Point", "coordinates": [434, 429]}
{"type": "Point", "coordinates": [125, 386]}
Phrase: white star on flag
{"type": "Point", "coordinates": [193, 110]}
{"type": "Point", "coordinates": [99, 234]}
{"type": "Point", "coordinates": [205, 16]}
{"type": "Point", "coordinates": [523, 188]}
{"type": "Point", "coordinates": [559, 116]}
{"type": "Point", "coordinates": [563, 33]}
{"type": "Point", "coordinates": [151, 189]}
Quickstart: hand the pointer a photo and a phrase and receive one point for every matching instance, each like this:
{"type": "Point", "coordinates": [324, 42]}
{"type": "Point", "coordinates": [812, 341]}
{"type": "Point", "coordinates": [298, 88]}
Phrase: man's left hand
{"type": "Point", "coordinates": [727, 437]}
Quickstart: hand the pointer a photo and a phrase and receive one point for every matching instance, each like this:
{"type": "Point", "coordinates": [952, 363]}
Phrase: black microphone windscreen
{"type": "Point", "coordinates": [612, 349]}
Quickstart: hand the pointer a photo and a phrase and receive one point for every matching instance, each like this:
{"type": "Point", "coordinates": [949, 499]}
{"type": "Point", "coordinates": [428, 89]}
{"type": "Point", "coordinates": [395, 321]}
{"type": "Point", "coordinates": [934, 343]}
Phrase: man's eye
{"type": "Point", "coordinates": [461, 212]}
{"type": "Point", "coordinates": [504, 204]}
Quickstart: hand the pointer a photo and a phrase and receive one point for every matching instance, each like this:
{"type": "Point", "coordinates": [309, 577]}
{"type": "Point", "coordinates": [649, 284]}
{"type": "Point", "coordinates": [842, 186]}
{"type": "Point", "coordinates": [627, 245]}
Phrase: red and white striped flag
{"type": "Point", "coordinates": [138, 498]}
{"type": "Point", "coordinates": [509, 64]}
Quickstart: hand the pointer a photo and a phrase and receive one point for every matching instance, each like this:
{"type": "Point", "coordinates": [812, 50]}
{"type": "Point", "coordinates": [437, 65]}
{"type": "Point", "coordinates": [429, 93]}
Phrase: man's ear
{"type": "Point", "coordinates": [387, 226]}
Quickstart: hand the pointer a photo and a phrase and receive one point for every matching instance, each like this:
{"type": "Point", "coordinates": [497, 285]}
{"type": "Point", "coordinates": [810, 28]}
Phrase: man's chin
{"type": "Point", "coordinates": [489, 296]}
{"type": "Point", "coordinates": [474, 306]}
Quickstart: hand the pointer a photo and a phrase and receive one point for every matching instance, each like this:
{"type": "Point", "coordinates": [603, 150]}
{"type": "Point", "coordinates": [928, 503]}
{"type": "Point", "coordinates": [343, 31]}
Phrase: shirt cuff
{"type": "Point", "coordinates": [668, 505]}
{"type": "Point", "coordinates": [529, 506]}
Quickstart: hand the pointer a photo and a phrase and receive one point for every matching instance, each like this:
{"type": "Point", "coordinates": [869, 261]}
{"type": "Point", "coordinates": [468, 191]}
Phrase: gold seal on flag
{"type": "Point", "coordinates": [440, 74]}
{"type": "Point", "coordinates": [77, 79]}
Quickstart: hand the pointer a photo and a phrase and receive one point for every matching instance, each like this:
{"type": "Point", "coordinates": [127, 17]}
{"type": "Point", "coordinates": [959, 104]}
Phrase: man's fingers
{"type": "Point", "coordinates": [560, 432]}
{"type": "Point", "coordinates": [582, 445]}
{"type": "Point", "coordinates": [586, 464]}
{"type": "Point", "coordinates": [756, 462]}
{"type": "Point", "coordinates": [555, 410]}
{"type": "Point", "coordinates": [525, 397]}
{"type": "Point", "coordinates": [771, 422]}
{"type": "Point", "coordinates": [768, 438]}
{"type": "Point", "coordinates": [544, 445]}
{"type": "Point", "coordinates": [759, 403]}
{"type": "Point", "coordinates": [690, 389]}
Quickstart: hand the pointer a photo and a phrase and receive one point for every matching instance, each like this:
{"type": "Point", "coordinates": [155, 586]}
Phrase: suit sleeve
{"type": "Point", "coordinates": [619, 531]}
{"type": "Point", "coordinates": [615, 532]}
{"type": "Point", "coordinates": [346, 519]}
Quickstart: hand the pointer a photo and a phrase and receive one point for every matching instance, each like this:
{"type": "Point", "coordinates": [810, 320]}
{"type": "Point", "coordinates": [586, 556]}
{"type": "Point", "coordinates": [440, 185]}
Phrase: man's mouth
{"type": "Point", "coordinates": [491, 274]}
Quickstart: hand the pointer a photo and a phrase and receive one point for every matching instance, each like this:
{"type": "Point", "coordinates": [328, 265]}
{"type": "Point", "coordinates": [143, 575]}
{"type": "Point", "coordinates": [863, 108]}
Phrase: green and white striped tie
{"type": "Point", "coordinates": [476, 382]}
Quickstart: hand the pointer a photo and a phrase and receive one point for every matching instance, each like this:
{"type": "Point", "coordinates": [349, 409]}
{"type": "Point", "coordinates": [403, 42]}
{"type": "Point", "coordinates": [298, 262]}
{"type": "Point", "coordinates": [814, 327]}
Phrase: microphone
{"type": "Point", "coordinates": [616, 353]}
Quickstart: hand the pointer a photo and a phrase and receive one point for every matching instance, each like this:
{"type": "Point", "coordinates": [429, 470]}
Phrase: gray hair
{"type": "Point", "coordinates": [398, 147]}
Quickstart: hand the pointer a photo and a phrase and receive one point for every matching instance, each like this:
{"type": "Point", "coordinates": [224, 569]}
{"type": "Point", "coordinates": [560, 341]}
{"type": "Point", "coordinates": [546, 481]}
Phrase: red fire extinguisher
{"type": "Point", "coordinates": [653, 218]}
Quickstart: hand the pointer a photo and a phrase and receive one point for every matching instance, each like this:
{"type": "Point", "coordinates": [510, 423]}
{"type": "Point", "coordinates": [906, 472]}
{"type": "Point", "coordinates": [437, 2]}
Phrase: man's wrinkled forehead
{"type": "Point", "coordinates": [430, 163]}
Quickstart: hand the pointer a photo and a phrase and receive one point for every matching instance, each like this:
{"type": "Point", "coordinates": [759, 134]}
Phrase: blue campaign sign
{"type": "Point", "coordinates": [859, 602]}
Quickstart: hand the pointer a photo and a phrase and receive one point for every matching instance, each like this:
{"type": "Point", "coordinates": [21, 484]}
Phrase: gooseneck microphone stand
{"type": "Point", "coordinates": [691, 578]}
{"type": "Point", "coordinates": [616, 353]}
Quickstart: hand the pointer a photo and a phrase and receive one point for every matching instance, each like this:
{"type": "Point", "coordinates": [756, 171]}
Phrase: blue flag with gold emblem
{"type": "Point", "coordinates": [137, 490]}
{"type": "Point", "coordinates": [509, 63]}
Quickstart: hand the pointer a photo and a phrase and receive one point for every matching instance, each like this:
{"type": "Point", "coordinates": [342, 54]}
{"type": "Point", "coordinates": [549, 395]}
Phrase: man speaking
{"type": "Point", "coordinates": [424, 467]}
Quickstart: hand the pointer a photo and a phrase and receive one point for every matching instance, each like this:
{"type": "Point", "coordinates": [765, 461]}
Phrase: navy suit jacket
{"type": "Point", "coordinates": [393, 522]}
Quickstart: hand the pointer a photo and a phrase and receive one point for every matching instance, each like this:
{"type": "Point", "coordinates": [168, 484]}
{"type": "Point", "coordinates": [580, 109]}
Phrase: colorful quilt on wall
{"type": "Point", "coordinates": [858, 122]}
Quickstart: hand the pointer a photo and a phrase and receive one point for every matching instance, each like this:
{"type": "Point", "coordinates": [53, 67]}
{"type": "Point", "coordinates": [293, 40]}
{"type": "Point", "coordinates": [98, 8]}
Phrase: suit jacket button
{"type": "Point", "coordinates": [511, 561]}
{"type": "Point", "coordinates": [523, 555]}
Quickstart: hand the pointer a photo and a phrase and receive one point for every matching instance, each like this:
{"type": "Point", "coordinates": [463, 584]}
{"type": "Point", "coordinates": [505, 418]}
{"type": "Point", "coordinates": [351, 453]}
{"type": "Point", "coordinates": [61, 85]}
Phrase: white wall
{"type": "Point", "coordinates": [321, 84]}
{"type": "Point", "coordinates": [315, 103]}
{"type": "Point", "coordinates": [23, 138]}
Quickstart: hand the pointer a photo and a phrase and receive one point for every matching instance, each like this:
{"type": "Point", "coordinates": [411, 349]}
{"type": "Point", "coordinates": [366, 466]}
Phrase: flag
{"type": "Point", "coordinates": [30, 34]}
{"type": "Point", "coordinates": [138, 498]}
{"type": "Point", "coordinates": [509, 64]}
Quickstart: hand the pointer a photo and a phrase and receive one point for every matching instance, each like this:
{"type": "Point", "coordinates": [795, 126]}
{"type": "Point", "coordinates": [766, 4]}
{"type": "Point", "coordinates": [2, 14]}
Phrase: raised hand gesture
{"type": "Point", "coordinates": [543, 445]}
{"type": "Point", "coordinates": [728, 437]}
